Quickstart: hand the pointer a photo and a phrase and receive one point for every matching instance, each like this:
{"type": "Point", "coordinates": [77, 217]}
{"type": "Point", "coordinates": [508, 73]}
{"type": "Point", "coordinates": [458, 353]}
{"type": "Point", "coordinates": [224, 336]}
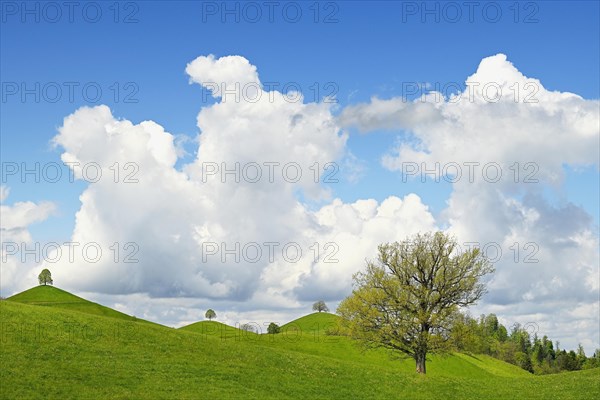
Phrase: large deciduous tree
{"type": "Point", "coordinates": [45, 277]}
{"type": "Point", "coordinates": [407, 299]}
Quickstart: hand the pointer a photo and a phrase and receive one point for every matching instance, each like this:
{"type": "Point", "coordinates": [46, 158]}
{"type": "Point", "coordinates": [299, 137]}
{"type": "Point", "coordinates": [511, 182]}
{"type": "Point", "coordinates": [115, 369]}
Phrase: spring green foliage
{"type": "Point", "coordinates": [210, 314]}
{"type": "Point", "coordinates": [406, 300]}
{"type": "Point", "coordinates": [518, 347]}
{"type": "Point", "coordinates": [45, 277]}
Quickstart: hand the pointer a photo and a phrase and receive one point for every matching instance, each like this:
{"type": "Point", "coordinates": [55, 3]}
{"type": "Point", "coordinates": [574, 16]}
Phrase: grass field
{"type": "Point", "coordinates": [56, 352]}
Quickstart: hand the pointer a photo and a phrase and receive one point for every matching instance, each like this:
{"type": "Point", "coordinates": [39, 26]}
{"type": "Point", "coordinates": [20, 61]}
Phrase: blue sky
{"type": "Point", "coordinates": [366, 50]}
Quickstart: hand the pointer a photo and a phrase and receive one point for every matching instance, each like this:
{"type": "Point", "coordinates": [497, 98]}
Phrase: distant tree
{"type": "Point", "coordinates": [407, 300]}
{"type": "Point", "coordinates": [45, 277]}
{"type": "Point", "coordinates": [524, 361]}
{"type": "Point", "coordinates": [580, 351]}
{"type": "Point", "coordinates": [548, 349]}
{"type": "Point", "coordinates": [465, 334]}
{"type": "Point", "coordinates": [539, 351]}
{"type": "Point", "coordinates": [320, 306]}
{"type": "Point", "coordinates": [488, 336]}
{"type": "Point", "coordinates": [210, 314]}
{"type": "Point", "coordinates": [593, 361]}
{"type": "Point", "coordinates": [520, 336]}
{"type": "Point", "coordinates": [581, 358]}
{"type": "Point", "coordinates": [248, 328]}
{"type": "Point", "coordinates": [567, 361]}
{"type": "Point", "coordinates": [494, 329]}
{"type": "Point", "coordinates": [273, 328]}
{"type": "Point", "coordinates": [507, 351]}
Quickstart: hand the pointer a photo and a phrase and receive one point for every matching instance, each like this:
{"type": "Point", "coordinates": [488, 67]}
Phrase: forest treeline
{"type": "Point", "coordinates": [486, 335]}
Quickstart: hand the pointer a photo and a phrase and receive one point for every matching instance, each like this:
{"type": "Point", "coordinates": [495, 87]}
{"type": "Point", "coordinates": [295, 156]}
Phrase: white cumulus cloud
{"type": "Point", "coordinates": [258, 158]}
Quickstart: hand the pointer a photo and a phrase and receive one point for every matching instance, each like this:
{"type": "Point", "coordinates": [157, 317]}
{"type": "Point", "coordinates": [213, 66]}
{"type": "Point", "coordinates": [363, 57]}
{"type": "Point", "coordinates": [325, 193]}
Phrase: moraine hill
{"type": "Point", "coordinates": [50, 296]}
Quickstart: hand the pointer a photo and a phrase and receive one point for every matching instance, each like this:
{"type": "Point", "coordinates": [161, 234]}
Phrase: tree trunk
{"type": "Point", "coordinates": [420, 359]}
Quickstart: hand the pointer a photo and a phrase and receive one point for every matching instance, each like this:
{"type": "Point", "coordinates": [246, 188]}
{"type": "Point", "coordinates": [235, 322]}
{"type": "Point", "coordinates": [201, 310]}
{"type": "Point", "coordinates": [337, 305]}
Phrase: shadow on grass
{"type": "Point", "coordinates": [472, 356]}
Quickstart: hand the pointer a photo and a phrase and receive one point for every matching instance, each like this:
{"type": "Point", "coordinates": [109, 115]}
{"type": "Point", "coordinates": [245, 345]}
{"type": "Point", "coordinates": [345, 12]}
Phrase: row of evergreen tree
{"type": "Point", "coordinates": [540, 356]}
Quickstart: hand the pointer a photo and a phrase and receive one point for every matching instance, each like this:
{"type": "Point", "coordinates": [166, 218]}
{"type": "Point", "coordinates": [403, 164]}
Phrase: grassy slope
{"type": "Point", "coordinates": [51, 296]}
{"type": "Point", "coordinates": [55, 353]}
{"type": "Point", "coordinates": [217, 330]}
{"type": "Point", "coordinates": [308, 335]}
{"type": "Point", "coordinates": [315, 323]}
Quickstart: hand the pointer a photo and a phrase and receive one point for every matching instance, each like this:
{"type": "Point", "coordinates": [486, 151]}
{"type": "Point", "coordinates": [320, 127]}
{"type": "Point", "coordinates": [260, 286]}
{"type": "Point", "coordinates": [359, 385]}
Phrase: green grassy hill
{"type": "Point", "coordinates": [56, 353]}
{"type": "Point", "coordinates": [217, 330]}
{"type": "Point", "coordinates": [51, 296]}
{"type": "Point", "coordinates": [313, 324]}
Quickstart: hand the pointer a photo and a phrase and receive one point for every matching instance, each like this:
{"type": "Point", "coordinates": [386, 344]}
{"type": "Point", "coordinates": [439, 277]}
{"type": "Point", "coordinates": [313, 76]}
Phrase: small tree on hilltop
{"type": "Point", "coordinates": [273, 328]}
{"type": "Point", "coordinates": [45, 277]}
{"type": "Point", "coordinates": [210, 314]}
{"type": "Point", "coordinates": [320, 306]}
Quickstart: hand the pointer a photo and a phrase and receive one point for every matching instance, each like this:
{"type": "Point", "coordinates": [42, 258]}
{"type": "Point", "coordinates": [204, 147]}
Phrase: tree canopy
{"type": "Point", "coordinates": [320, 306]}
{"type": "Point", "coordinates": [273, 328]}
{"type": "Point", "coordinates": [406, 301]}
{"type": "Point", "coordinates": [210, 314]}
{"type": "Point", "coordinates": [45, 277]}
{"type": "Point", "coordinates": [486, 335]}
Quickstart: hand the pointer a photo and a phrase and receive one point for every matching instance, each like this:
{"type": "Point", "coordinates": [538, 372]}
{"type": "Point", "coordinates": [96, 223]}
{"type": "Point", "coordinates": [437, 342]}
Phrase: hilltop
{"type": "Point", "coordinates": [50, 296]}
{"type": "Point", "coordinates": [318, 323]}
{"type": "Point", "coordinates": [216, 329]}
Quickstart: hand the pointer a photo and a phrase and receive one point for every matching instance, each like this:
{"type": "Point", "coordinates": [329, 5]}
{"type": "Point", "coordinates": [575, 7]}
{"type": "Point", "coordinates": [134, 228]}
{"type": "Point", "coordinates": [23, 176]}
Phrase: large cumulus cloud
{"type": "Point", "coordinates": [172, 214]}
